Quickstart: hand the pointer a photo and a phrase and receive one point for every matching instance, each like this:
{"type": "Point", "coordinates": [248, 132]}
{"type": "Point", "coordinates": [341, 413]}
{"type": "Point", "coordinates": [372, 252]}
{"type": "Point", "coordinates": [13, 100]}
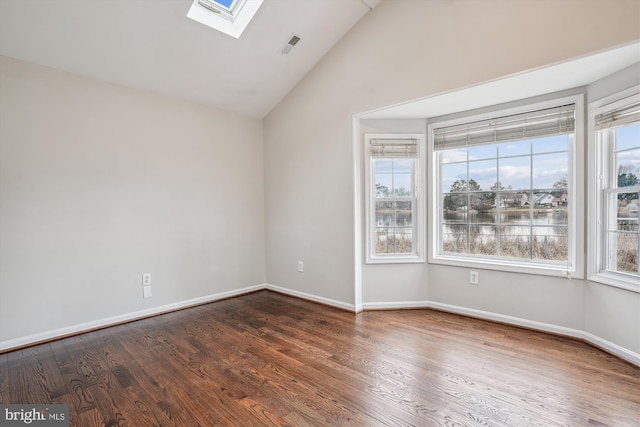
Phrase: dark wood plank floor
{"type": "Point", "coordinates": [268, 359]}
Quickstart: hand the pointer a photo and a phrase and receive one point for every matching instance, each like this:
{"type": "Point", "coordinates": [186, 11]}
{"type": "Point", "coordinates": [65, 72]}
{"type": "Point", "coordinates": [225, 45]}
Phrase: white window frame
{"type": "Point", "coordinates": [418, 218]}
{"type": "Point", "coordinates": [232, 21]}
{"type": "Point", "coordinates": [601, 173]}
{"type": "Point", "coordinates": [230, 13]}
{"type": "Point", "coordinates": [574, 267]}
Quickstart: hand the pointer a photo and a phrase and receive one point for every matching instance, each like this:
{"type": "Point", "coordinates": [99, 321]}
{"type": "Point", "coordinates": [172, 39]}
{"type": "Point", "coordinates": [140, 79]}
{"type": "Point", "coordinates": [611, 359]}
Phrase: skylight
{"type": "Point", "coordinates": [224, 3]}
{"type": "Point", "coordinates": [228, 16]}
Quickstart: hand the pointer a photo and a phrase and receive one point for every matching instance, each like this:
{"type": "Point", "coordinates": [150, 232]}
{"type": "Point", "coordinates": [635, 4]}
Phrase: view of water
{"type": "Point", "coordinates": [514, 222]}
{"type": "Point", "coordinates": [518, 233]}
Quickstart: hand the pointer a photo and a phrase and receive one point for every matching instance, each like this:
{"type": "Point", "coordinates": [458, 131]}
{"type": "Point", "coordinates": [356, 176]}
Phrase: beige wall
{"type": "Point", "coordinates": [100, 183]}
{"type": "Point", "coordinates": [405, 50]}
{"type": "Point", "coordinates": [398, 284]}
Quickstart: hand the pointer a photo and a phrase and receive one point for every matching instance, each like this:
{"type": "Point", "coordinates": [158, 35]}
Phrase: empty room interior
{"type": "Point", "coordinates": [320, 212]}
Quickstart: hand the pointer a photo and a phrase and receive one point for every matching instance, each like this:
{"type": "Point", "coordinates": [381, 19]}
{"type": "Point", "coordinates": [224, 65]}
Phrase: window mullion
{"type": "Point", "coordinates": [531, 203]}
{"type": "Point", "coordinates": [496, 202]}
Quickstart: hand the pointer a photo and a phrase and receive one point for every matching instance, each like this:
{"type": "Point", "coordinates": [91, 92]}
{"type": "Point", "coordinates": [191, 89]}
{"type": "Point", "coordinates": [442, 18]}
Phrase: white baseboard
{"type": "Point", "coordinates": [547, 327]}
{"type": "Point", "coordinates": [311, 297]}
{"type": "Point", "coordinates": [612, 348]}
{"type": "Point", "coordinates": [129, 317]}
{"type": "Point", "coordinates": [395, 305]}
{"type": "Point", "coordinates": [115, 320]}
{"type": "Point", "coordinates": [615, 349]}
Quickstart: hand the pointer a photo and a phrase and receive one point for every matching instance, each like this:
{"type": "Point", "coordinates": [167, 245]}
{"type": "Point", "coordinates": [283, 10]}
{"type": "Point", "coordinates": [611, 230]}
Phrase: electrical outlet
{"type": "Point", "coordinates": [300, 266]}
{"type": "Point", "coordinates": [146, 279]}
{"type": "Point", "coordinates": [474, 278]}
{"type": "Point", "coordinates": [146, 292]}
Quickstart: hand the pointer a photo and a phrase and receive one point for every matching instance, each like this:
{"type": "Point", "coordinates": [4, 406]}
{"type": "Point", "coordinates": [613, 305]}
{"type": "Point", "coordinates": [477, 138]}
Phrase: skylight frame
{"type": "Point", "coordinates": [229, 13]}
{"type": "Point", "coordinates": [222, 3]}
{"type": "Point", "coordinates": [232, 20]}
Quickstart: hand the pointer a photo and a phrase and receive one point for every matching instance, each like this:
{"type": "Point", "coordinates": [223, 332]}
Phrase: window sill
{"type": "Point", "coordinates": [396, 260]}
{"type": "Point", "coordinates": [615, 280]}
{"type": "Point", "coordinates": [559, 270]}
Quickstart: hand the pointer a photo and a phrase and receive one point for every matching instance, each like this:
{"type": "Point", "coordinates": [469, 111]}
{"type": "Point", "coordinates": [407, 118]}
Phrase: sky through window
{"type": "Point", "coordinates": [224, 3]}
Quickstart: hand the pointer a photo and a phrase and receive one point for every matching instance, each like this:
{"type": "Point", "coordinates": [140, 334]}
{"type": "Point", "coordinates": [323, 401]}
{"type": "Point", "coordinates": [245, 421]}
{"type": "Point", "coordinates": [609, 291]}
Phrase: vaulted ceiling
{"type": "Point", "coordinates": [152, 45]}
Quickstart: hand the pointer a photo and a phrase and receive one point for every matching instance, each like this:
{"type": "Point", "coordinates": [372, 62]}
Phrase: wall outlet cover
{"type": "Point", "coordinates": [474, 277]}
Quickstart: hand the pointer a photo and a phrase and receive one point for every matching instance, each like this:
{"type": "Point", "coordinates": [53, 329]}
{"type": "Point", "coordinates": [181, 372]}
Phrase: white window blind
{"type": "Point", "coordinates": [620, 113]}
{"type": "Point", "coordinates": [393, 148]}
{"type": "Point", "coordinates": [535, 124]}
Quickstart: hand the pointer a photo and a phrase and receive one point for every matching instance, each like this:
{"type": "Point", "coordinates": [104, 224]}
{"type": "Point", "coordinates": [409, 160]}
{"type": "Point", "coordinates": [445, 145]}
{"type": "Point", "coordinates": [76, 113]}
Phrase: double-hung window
{"type": "Point", "coordinates": [616, 150]}
{"type": "Point", "coordinates": [394, 197]}
{"type": "Point", "coordinates": [504, 188]}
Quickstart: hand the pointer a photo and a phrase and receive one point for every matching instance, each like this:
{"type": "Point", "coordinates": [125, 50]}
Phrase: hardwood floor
{"type": "Point", "coordinates": [268, 359]}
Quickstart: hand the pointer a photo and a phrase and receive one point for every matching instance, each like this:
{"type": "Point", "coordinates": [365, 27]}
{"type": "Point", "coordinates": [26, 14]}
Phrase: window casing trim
{"type": "Point", "coordinates": [574, 267]}
{"type": "Point", "coordinates": [419, 200]}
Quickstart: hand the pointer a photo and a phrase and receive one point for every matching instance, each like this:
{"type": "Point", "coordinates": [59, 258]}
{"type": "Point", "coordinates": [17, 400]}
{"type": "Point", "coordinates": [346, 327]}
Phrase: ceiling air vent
{"type": "Point", "coordinates": [293, 40]}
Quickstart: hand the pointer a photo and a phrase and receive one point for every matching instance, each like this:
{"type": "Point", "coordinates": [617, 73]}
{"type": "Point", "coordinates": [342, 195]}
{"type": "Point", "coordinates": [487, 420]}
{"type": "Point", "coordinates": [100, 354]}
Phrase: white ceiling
{"type": "Point", "coordinates": [152, 45]}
